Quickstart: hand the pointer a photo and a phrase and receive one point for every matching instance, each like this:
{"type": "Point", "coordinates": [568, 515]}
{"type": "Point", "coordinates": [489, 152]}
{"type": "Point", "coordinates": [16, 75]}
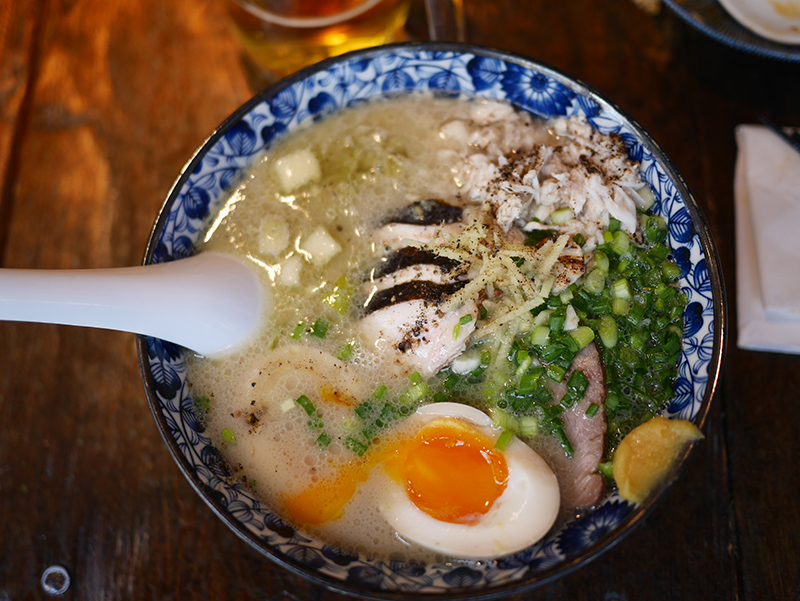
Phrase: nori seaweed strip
{"type": "Point", "coordinates": [410, 255]}
{"type": "Point", "coordinates": [414, 290]}
{"type": "Point", "coordinates": [427, 212]}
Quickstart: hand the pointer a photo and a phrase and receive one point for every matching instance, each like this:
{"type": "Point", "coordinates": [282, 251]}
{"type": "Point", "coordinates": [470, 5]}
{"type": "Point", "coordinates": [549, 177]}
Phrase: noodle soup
{"type": "Point", "coordinates": [446, 281]}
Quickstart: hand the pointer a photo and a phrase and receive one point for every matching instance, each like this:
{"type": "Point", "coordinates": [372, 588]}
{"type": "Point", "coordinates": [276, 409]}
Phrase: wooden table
{"type": "Point", "coordinates": [103, 101]}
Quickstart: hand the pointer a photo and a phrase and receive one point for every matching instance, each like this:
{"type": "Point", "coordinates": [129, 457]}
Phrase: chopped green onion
{"type": "Point", "coordinates": [417, 392]}
{"type": "Point", "coordinates": [451, 381]}
{"type": "Point", "coordinates": [647, 197]}
{"type": "Point", "coordinates": [306, 404]}
{"type": "Point", "coordinates": [528, 426]}
{"type": "Point", "coordinates": [358, 447]}
{"type": "Point", "coordinates": [439, 397]}
{"type": "Point", "coordinates": [503, 419]}
{"type": "Point", "coordinates": [606, 469]}
{"type": "Point", "coordinates": [529, 382]}
{"type": "Point", "coordinates": [557, 319]}
{"type": "Point", "coordinates": [320, 327]}
{"type": "Point", "coordinates": [345, 352]}
{"type": "Point", "coordinates": [670, 270]}
{"type": "Point", "coordinates": [551, 352]}
{"type": "Point", "coordinates": [228, 435]}
{"type": "Point", "coordinates": [636, 314]}
{"type": "Point", "coordinates": [339, 298]}
{"type": "Point", "coordinates": [579, 239]}
{"type": "Point", "coordinates": [298, 331]}
{"type": "Point", "coordinates": [555, 372]}
{"type": "Point", "coordinates": [621, 289]}
{"type": "Point", "coordinates": [608, 332]}
{"type": "Point", "coordinates": [324, 441]}
{"type": "Point", "coordinates": [315, 421]}
{"type": "Point", "coordinates": [582, 335]}
{"type": "Point", "coordinates": [621, 243]}
{"type": "Point", "coordinates": [363, 410]}
{"type": "Point", "coordinates": [565, 443]}
{"type": "Point", "coordinates": [608, 237]}
{"type": "Point", "coordinates": [503, 440]}
{"type": "Point", "coordinates": [540, 336]}
{"type": "Point", "coordinates": [380, 391]}
{"type": "Point", "coordinates": [203, 404]}
{"type": "Point", "coordinates": [659, 252]}
{"type": "Point", "coordinates": [415, 377]}
{"type": "Point", "coordinates": [578, 382]}
{"type": "Point", "coordinates": [595, 281]}
{"type": "Point", "coordinates": [561, 216]}
{"type": "Point", "coordinates": [287, 405]}
{"type": "Point", "coordinates": [637, 341]}
{"type": "Point", "coordinates": [620, 306]}
{"type": "Point", "coordinates": [591, 410]}
{"type": "Point", "coordinates": [613, 224]}
{"type": "Point", "coordinates": [465, 319]}
{"type": "Point", "coordinates": [601, 261]}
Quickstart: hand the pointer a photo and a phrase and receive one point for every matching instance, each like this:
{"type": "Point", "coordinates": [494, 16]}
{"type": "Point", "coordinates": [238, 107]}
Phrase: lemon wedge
{"type": "Point", "coordinates": [646, 455]}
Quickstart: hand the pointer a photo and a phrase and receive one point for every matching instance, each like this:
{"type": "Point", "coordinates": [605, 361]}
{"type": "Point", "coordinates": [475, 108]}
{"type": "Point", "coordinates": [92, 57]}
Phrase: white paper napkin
{"type": "Point", "coordinates": [767, 195]}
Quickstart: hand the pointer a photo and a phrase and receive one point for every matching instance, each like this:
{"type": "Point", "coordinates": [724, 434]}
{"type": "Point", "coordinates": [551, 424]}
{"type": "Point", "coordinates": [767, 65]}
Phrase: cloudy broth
{"type": "Point", "coordinates": [371, 161]}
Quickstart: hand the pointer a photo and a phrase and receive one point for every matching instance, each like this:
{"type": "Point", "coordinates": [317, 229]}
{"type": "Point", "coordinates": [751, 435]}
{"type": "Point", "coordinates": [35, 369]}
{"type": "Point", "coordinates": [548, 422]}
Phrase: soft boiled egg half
{"type": "Point", "coordinates": [454, 492]}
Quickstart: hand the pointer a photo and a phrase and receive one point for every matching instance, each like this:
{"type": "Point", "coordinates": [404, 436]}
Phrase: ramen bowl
{"type": "Point", "coordinates": [332, 86]}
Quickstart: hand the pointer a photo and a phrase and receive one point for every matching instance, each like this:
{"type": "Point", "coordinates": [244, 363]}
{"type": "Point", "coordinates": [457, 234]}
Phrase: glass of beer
{"type": "Point", "coordinates": [281, 36]}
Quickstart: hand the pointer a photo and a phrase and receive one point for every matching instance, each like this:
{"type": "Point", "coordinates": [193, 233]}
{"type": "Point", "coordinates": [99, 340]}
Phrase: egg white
{"type": "Point", "coordinates": [522, 515]}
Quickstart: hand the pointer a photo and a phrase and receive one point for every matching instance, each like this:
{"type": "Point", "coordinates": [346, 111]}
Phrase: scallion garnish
{"type": "Point", "coordinates": [606, 469]}
{"type": "Point", "coordinates": [339, 298]}
{"type": "Point", "coordinates": [203, 404]}
{"type": "Point", "coordinates": [306, 404]}
{"type": "Point", "coordinates": [320, 328]}
{"type": "Point", "coordinates": [502, 441]}
{"type": "Point", "coordinates": [358, 447]}
{"type": "Point", "coordinates": [324, 440]}
{"type": "Point", "coordinates": [344, 353]}
{"type": "Point", "coordinates": [298, 331]}
{"type": "Point", "coordinates": [228, 435]}
{"type": "Point", "coordinates": [465, 319]}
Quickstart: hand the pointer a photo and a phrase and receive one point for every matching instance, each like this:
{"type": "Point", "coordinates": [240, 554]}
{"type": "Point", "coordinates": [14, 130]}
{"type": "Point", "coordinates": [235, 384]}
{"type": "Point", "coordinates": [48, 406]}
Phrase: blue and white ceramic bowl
{"type": "Point", "coordinates": [338, 83]}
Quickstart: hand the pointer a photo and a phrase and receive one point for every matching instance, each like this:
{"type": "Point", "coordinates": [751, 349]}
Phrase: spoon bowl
{"type": "Point", "coordinates": [228, 301]}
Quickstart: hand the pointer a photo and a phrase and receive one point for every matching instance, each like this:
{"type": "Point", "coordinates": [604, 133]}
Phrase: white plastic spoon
{"type": "Point", "coordinates": [207, 303]}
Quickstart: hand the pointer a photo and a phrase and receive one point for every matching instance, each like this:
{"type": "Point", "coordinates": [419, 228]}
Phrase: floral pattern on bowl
{"type": "Point", "coordinates": [342, 82]}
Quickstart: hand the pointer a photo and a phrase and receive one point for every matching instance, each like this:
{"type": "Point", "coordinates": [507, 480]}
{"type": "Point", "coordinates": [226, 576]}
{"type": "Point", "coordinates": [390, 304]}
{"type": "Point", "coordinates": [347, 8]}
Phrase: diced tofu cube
{"type": "Point", "coordinates": [290, 271]}
{"type": "Point", "coordinates": [297, 169]}
{"type": "Point", "coordinates": [273, 236]}
{"type": "Point", "coordinates": [320, 246]}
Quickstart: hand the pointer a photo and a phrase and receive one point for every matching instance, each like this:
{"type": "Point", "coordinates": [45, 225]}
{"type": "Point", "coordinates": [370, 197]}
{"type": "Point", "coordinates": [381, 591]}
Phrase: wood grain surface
{"type": "Point", "coordinates": [101, 104]}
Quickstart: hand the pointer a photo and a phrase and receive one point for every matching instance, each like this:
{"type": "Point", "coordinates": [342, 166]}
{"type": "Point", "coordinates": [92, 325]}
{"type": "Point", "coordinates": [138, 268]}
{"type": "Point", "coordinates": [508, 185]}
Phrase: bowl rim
{"type": "Point", "coordinates": [627, 524]}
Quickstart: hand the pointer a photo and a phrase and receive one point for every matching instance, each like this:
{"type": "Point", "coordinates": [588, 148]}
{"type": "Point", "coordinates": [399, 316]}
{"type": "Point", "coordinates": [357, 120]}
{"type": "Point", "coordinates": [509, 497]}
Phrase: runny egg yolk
{"type": "Point", "coordinates": [451, 471]}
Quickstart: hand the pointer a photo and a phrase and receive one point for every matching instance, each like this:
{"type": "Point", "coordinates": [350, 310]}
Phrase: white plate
{"type": "Point", "coordinates": [777, 20]}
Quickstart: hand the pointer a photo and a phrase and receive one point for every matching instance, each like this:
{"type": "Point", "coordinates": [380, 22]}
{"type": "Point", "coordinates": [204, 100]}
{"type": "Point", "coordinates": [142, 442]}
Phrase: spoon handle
{"type": "Point", "coordinates": [206, 303]}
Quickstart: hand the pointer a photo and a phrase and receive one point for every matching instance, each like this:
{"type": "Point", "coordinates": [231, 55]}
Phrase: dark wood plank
{"type": "Point", "coordinates": [101, 104]}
